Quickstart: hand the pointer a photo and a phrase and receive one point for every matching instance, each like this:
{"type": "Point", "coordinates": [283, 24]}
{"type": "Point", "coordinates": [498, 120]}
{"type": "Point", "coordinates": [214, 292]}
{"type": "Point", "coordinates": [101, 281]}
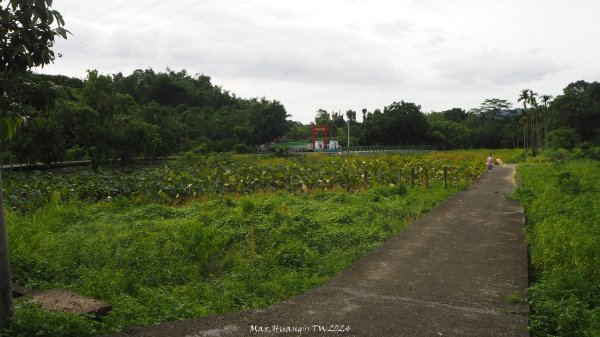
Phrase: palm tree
{"type": "Point", "coordinates": [524, 97]}
{"type": "Point", "coordinates": [535, 126]}
{"type": "Point", "coordinates": [546, 101]}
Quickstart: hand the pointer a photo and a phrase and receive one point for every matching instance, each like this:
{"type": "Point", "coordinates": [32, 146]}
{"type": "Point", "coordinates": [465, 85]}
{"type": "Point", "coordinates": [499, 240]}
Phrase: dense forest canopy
{"type": "Point", "coordinates": [570, 119]}
{"type": "Point", "coordinates": [151, 114]}
{"type": "Point", "coordinates": [146, 114]}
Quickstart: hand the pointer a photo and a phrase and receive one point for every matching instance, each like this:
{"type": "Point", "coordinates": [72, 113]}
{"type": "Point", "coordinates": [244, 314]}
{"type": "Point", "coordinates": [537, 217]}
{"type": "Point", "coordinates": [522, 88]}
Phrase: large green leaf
{"type": "Point", "coordinates": [9, 126]}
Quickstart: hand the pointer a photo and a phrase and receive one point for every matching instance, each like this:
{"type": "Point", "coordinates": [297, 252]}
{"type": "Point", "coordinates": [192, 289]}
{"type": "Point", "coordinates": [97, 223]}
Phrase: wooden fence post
{"type": "Point", "coordinates": [399, 181]}
{"type": "Point", "coordinates": [366, 178]}
{"type": "Point", "coordinates": [445, 176]}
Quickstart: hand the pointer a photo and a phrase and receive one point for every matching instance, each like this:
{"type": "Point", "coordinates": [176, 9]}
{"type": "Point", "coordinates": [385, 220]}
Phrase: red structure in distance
{"type": "Point", "coordinates": [315, 134]}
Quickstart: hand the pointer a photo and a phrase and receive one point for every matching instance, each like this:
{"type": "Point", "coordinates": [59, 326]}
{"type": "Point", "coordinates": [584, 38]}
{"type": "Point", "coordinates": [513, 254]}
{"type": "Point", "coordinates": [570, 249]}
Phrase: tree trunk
{"type": "Point", "coordinates": [546, 131]}
{"type": "Point", "coordinates": [5, 283]}
{"type": "Point", "coordinates": [531, 125]}
{"type": "Point", "coordinates": [525, 134]}
{"type": "Point", "coordinates": [537, 132]}
{"type": "Point", "coordinates": [540, 132]}
{"type": "Point", "coordinates": [95, 163]}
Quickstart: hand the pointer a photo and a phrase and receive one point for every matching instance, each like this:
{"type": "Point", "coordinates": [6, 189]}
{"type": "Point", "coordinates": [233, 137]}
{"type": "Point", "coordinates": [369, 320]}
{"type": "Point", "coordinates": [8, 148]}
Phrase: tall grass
{"type": "Point", "coordinates": [562, 205]}
{"type": "Point", "coordinates": [156, 262]}
{"type": "Point", "coordinates": [162, 243]}
{"type": "Point", "coordinates": [509, 156]}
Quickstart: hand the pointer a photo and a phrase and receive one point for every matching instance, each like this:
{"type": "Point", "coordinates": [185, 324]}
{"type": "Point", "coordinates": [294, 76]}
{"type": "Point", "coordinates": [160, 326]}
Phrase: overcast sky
{"type": "Point", "coordinates": [343, 54]}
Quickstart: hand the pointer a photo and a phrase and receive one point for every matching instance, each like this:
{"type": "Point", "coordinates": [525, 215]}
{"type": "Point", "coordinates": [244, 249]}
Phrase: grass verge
{"type": "Point", "coordinates": [156, 262]}
{"type": "Point", "coordinates": [562, 206]}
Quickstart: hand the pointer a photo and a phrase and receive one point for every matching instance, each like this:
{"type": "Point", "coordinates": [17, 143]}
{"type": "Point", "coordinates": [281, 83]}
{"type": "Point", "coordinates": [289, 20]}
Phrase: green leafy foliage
{"type": "Point", "coordinates": [199, 176]}
{"type": "Point", "coordinates": [27, 32]}
{"type": "Point", "coordinates": [399, 123]}
{"type": "Point", "coordinates": [143, 115]}
{"type": "Point", "coordinates": [285, 225]}
{"type": "Point", "coordinates": [9, 126]}
{"type": "Point", "coordinates": [563, 138]}
{"type": "Point", "coordinates": [31, 320]}
{"type": "Point", "coordinates": [562, 204]}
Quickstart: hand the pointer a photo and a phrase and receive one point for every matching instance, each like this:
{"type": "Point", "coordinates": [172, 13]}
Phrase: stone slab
{"type": "Point", "coordinates": [66, 301]}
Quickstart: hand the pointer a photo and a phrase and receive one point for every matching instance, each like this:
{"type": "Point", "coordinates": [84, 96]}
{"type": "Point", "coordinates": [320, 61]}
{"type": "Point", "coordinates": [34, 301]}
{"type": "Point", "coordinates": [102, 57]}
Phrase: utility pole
{"type": "Point", "coordinates": [348, 133]}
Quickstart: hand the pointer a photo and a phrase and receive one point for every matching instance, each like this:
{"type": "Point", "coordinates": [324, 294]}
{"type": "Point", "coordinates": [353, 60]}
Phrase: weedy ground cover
{"type": "Point", "coordinates": [256, 231]}
{"type": "Point", "coordinates": [562, 206]}
{"type": "Point", "coordinates": [205, 176]}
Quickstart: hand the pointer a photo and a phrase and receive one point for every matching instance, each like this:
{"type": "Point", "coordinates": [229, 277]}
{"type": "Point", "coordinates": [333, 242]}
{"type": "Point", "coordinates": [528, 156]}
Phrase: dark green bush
{"type": "Point", "coordinates": [569, 183]}
{"type": "Point", "coordinates": [557, 155]}
{"type": "Point", "coordinates": [241, 148]}
{"type": "Point", "coordinates": [563, 138]}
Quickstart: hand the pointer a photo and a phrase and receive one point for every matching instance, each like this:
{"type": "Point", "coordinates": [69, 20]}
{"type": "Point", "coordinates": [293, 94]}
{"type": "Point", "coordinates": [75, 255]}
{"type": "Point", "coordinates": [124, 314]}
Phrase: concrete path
{"type": "Point", "coordinates": [451, 273]}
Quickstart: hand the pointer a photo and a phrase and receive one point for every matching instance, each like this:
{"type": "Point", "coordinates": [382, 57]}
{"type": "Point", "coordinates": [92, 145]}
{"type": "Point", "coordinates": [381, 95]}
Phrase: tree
{"type": "Point", "coordinates": [578, 108]}
{"type": "Point", "coordinates": [172, 131]}
{"type": "Point", "coordinates": [490, 108]}
{"type": "Point", "coordinates": [364, 114]}
{"type": "Point", "coordinates": [351, 116]}
{"type": "Point", "coordinates": [42, 141]}
{"type": "Point", "coordinates": [337, 118]}
{"type": "Point", "coordinates": [26, 38]}
{"type": "Point", "coordinates": [545, 103]}
{"type": "Point", "coordinates": [399, 123]}
{"type": "Point", "coordinates": [565, 138]}
{"type": "Point", "coordinates": [511, 133]}
{"type": "Point", "coordinates": [484, 132]}
{"type": "Point", "coordinates": [524, 97]}
{"type": "Point", "coordinates": [322, 117]}
{"type": "Point", "coordinates": [455, 114]}
{"type": "Point", "coordinates": [534, 120]}
{"type": "Point", "coordinates": [448, 134]}
{"type": "Point", "coordinates": [268, 121]}
{"type": "Point", "coordinates": [297, 132]}
{"type": "Point", "coordinates": [102, 127]}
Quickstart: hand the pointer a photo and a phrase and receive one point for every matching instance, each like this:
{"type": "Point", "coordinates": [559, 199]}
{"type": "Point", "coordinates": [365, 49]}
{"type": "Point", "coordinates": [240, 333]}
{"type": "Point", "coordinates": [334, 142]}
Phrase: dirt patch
{"type": "Point", "coordinates": [66, 301]}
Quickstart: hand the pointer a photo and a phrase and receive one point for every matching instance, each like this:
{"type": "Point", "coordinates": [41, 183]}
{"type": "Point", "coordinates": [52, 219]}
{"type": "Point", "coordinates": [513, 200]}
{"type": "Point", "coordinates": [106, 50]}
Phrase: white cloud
{"type": "Point", "coordinates": [343, 54]}
{"type": "Point", "coordinates": [496, 68]}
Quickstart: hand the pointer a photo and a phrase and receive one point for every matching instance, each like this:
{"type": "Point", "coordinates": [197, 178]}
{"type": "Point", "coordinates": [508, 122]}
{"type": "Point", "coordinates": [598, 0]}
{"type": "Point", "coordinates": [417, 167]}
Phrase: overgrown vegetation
{"type": "Point", "coordinates": [234, 245]}
{"type": "Point", "coordinates": [145, 114]}
{"type": "Point", "coordinates": [203, 176]}
{"type": "Point", "coordinates": [562, 205]}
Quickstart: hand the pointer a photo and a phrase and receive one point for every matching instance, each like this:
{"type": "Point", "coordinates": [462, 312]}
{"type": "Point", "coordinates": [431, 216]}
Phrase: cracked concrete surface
{"type": "Point", "coordinates": [449, 274]}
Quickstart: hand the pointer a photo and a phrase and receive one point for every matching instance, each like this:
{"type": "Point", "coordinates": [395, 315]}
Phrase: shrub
{"type": "Point", "coordinates": [569, 183]}
{"type": "Point", "coordinates": [587, 151]}
{"type": "Point", "coordinates": [562, 211]}
{"type": "Point", "coordinates": [75, 153]}
{"type": "Point", "coordinates": [241, 148]}
{"type": "Point", "coordinates": [199, 150]}
{"type": "Point", "coordinates": [283, 152]}
{"type": "Point", "coordinates": [557, 155]}
{"type": "Point", "coordinates": [31, 320]}
{"type": "Point", "coordinates": [563, 138]}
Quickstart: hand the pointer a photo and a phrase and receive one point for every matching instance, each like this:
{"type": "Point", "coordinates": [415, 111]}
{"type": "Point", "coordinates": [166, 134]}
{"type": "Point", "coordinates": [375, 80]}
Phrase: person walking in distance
{"type": "Point", "coordinates": [490, 162]}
